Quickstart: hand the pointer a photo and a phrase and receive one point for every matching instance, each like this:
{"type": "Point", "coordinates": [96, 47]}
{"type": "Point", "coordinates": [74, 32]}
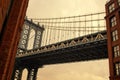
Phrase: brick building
{"type": "Point", "coordinates": [12, 13]}
{"type": "Point", "coordinates": [113, 33]}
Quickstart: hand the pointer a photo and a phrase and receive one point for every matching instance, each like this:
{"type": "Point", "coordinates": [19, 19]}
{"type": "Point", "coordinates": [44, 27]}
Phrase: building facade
{"type": "Point", "coordinates": [4, 9]}
{"type": "Point", "coordinates": [12, 13]}
{"type": "Point", "coordinates": [113, 33]}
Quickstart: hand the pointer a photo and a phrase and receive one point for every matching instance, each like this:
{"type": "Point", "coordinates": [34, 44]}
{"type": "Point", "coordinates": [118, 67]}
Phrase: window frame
{"type": "Point", "coordinates": [117, 69]}
{"type": "Point", "coordinates": [111, 7]}
{"type": "Point", "coordinates": [115, 35]}
{"type": "Point", "coordinates": [113, 21]}
{"type": "Point", "coordinates": [116, 51]}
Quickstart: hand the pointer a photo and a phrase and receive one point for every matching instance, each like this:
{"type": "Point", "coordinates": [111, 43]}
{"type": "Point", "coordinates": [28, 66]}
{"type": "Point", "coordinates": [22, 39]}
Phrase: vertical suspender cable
{"type": "Point", "coordinates": [55, 31]}
{"type": "Point", "coordinates": [50, 34]}
{"type": "Point", "coordinates": [44, 35]}
{"type": "Point", "coordinates": [85, 26]}
{"type": "Point", "coordinates": [91, 24]}
{"type": "Point", "coordinates": [79, 26]}
{"type": "Point", "coordinates": [74, 25]}
{"type": "Point", "coordinates": [64, 25]}
{"type": "Point", "coordinates": [46, 30]}
{"type": "Point", "coordinates": [47, 33]}
{"type": "Point", "coordinates": [69, 28]}
{"type": "Point", "coordinates": [60, 30]}
{"type": "Point", "coordinates": [98, 23]}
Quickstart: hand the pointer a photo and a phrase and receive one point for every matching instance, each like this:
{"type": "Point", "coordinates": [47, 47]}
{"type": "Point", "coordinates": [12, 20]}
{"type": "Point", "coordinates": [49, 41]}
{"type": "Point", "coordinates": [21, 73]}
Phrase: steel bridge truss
{"type": "Point", "coordinates": [100, 36]}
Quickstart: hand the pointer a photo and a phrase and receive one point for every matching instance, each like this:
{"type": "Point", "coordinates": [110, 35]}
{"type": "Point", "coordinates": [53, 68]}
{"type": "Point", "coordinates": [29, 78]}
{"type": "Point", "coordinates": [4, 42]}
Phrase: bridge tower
{"type": "Point", "coordinates": [12, 13]}
{"type": "Point", "coordinates": [113, 33]}
{"type": "Point", "coordinates": [25, 38]}
{"type": "Point", "coordinates": [19, 67]}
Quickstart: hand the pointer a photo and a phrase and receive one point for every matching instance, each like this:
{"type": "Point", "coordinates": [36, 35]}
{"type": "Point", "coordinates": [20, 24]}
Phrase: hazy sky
{"type": "Point", "coordinates": [58, 8]}
{"type": "Point", "coordinates": [91, 70]}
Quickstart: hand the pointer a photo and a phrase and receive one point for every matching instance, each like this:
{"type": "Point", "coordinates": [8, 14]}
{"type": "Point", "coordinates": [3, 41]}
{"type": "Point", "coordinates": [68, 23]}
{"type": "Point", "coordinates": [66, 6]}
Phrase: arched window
{"type": "Point", "coordinates": [31, 39]}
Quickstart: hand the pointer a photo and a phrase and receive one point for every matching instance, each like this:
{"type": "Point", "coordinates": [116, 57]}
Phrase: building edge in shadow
{"type": "Point", "coordinates": [12, 13]}
{"type": "Point", "coordinates": [113, 34]}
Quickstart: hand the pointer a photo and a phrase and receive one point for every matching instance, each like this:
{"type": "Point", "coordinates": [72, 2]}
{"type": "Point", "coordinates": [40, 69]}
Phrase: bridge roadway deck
{"type": "Point", "coordinates": [92, 50]}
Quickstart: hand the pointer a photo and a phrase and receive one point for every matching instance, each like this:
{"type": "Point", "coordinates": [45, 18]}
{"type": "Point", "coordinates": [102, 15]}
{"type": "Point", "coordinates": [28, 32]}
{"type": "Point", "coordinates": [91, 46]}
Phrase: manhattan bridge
{"type": "Point", "coordinates": [47, 41]}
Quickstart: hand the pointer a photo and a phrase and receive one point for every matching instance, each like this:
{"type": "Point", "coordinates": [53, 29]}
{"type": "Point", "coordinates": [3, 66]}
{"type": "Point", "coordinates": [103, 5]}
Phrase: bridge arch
{"type": "Point", "coordinates": [24, 73]}
{"type": "Point", "coordinates": [31, 39]}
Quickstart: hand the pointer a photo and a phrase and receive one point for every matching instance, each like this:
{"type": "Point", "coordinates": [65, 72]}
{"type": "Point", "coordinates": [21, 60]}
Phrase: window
{"type": "Point", "coordinates": [119, 2]}
{"type": "Point", "coordinates": [113, 21]}
{"type": "Point", "coordinates": [117, 69]}
{"type": "Point", "coordinates": [111, 7]}
{"type": "Point", "coordinates": [116, 51]}
{"type": "Point", "coordinates": [115, 35]}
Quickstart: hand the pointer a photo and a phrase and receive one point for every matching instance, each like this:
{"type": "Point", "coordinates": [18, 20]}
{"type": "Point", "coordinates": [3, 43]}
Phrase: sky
{"type": "Point", "coordinates": [90, 70]}
{"type": "Point", "coordinates": [58, 8]}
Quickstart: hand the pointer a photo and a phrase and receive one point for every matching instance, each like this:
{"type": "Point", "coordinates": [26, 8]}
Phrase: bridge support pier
{"type": "Point", "coordinates": [17, 74]}
{"type": "Point", "coordinates": [32, 73]}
